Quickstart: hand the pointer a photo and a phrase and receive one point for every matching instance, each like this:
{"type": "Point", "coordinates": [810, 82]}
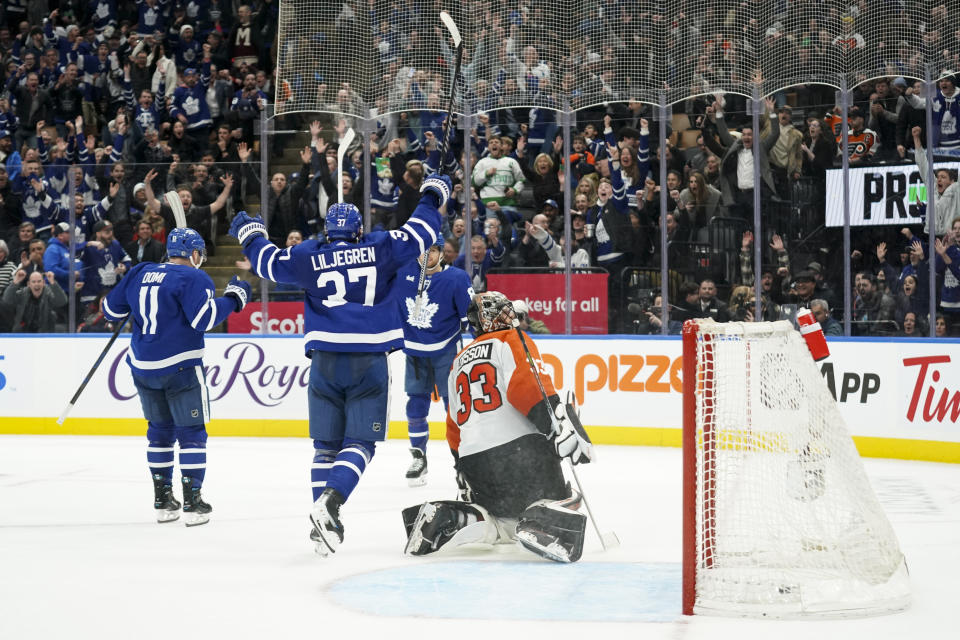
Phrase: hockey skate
{"type": "Point", "coordinates": [168, 507]}
{"type": "Point", "coordinates": [417, 473]}
{"type": "Point", "coordinates": [327, 531]}
{"type": "Point", "coordinates": [195, 510]}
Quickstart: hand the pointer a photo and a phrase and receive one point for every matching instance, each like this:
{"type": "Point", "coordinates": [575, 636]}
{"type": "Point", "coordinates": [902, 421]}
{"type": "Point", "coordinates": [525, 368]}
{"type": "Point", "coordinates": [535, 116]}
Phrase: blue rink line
{"type": "Point", "coordinates": [582, 592]}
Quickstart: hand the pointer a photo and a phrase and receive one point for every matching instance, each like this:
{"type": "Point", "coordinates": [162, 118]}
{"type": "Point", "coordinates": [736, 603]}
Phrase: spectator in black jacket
{"type": "Point", "coordinates": [144, 247]}
{"type": "Point", "coordinates": [33, 105]}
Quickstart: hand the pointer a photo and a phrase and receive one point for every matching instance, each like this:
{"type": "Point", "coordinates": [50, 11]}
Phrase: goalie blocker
{"type": "Point", "coordinates": [500, 430]}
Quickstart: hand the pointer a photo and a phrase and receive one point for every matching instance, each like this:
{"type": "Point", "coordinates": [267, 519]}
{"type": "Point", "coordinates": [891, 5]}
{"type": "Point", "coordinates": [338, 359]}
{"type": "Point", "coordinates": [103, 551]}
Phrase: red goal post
{"type": "Point", "coordinates": [779, 519]}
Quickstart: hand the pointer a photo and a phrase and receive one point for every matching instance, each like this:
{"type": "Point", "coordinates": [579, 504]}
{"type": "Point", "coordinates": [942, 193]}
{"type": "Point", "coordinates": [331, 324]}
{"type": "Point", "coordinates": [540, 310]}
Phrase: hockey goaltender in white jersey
{"type": "Point", "coordinates": [506, 447]}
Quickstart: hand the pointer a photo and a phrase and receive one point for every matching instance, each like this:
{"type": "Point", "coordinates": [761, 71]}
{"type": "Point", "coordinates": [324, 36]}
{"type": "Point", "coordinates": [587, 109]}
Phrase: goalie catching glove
{"type": "Point", "coordinates": [569, 439]}
{"type": "Point", "coordinates": [440, 186]}
{"type": "Point", "coordinates": [239, 290]}
{"type": "Point", "coordinates": [245, 228]}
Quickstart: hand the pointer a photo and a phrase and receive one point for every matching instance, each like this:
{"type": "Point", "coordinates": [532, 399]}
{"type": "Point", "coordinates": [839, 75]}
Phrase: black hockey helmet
{"type": "Point", "coordinates": [490, 311]}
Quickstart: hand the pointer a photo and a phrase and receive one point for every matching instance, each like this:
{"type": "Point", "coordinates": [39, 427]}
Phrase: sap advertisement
{"type": "Point", "coordinates": [629, 388]}
{"type": "Point", "coordinates": [880, 195]}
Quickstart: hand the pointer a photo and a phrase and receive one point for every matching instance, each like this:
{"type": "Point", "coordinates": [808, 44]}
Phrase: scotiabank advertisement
{"type": "Point", "coordinates": [544, 295]}
{"type": "Point", "coordinates": [629, 388]}
{"type": "Point", "coordinates": [285, 318]}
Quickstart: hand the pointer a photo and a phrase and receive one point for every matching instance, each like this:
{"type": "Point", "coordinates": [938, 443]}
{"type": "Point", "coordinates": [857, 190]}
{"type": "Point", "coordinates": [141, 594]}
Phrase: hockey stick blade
{"type": "Point", "coordinates": [179, 215]}
{"type": "Point", "coordinates": [341, 153]}
{"type": "Point", "coordinates": [451, 27]}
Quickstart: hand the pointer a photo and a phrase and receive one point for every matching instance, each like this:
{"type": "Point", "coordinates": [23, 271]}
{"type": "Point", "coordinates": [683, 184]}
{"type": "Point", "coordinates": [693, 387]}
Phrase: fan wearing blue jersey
{"type": "Point", "coordinates": [351, 322]}
{"type": "Point", "coordinates": [172, 305]}
{"type": "Point", "coordinates": [431, 341]}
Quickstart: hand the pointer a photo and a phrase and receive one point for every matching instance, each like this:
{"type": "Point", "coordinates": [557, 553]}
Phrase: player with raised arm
{"type": "Point", "coordinates": [508, 450]}
{"type": "Point", "coordinates": [430, 343]}
{"type": "Point", "coordinates": [351, 322]}
{"type": "Point", "coordinates": [173, 304]}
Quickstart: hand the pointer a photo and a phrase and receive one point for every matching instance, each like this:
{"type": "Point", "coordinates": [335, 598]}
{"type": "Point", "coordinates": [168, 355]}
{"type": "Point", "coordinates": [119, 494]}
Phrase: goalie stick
{"type": "Point", "coordinates": [341, 153]}
{"type": "Point", "coordinates": [458, 46]}
{"type": "Point", "coordinates": [608, 540]}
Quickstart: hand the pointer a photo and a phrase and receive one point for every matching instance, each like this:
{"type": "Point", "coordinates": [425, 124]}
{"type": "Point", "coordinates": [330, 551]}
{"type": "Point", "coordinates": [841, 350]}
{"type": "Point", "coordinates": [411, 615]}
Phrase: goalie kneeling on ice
{"type": "Point", "coordinates": [552, 529]}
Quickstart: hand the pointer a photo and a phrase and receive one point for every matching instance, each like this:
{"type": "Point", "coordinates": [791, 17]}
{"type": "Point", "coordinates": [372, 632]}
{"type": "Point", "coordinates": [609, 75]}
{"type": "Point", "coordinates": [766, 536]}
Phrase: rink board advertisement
{"type": "Point", "coordinates": [879, 195]}
{"type": "Point", "coordinates": [900, 399]}
{"type": "Point", "coordinates": [544, 295]}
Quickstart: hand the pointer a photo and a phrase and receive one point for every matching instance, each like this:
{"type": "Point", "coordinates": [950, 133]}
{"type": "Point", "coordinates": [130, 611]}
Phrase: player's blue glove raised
{"type": "Point", "coordinates": [438, 185]}
{"type": "Point", "coordinates": [245, 228]}
{"type": "Point", "coordinates": [239, 290]}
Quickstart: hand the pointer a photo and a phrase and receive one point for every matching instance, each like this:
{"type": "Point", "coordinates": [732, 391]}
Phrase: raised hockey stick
{"type": "Point", "coordinates": [93, 369]}
{"type": "Point", "coordinates": [445, 135]}
{"type": "Point", "coordinates": [173, 201]}
{"type": "Point", "coordinates": [608, 540]}
{"type": "Point", "coordinates": [341, 153]}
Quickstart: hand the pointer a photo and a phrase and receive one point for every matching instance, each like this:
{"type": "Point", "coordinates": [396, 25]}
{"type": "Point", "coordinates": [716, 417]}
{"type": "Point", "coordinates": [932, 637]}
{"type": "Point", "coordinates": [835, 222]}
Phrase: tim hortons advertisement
{"type": "Point", "coordinates": [879, 195]}
{"type": "Point", "coordinates": [544, 295]}
{"type": "Point", "coordinates": [894, 391]}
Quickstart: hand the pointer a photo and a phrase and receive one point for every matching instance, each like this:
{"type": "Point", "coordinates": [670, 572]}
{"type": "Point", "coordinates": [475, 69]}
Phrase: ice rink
{"type": "Point", "coordinates": [82, 557]}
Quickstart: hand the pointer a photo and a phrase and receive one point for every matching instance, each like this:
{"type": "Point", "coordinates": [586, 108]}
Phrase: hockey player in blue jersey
{"type": "Point", "coordinates": [351, 322]}
{"type": "Point", "coordinates": [430, 342]}
{"type": "Point", "coordinates": [173, 304]}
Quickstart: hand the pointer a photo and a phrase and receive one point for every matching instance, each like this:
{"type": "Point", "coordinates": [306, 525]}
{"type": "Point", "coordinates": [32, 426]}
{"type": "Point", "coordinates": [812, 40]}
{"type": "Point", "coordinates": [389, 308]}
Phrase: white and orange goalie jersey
{"type": "Point", "coordinates": [494, 396]}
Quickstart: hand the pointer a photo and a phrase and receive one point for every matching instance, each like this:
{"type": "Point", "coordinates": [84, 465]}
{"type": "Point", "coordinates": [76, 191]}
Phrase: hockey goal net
{"type": "Point", "coordinates": [779, 518]}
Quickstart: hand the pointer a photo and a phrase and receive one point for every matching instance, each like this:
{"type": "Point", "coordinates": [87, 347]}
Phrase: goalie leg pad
{"type": "Point", "coordinates": [553, 529]}
{"type": "Point", "coordinates": [446, 522]}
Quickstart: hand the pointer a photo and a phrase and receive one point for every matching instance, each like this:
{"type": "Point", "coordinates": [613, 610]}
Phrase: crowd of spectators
{"type": "Point", "coordinates": [105, 104]}
{"type": "Point", "coordinates": [108, 103]}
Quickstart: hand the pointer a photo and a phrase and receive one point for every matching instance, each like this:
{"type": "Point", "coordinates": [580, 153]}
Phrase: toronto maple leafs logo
{"type": "Point", "coordinates": [191, 105]}
{"type": "Point", "coordinates": [423, 320]}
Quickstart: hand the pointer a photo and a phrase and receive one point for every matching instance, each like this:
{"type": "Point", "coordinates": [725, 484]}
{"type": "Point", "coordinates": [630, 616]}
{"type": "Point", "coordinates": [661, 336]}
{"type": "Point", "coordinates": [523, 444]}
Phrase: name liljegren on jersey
{"type": "Point", "coordinates": [476, 352]}
{"type": "Point", "coordinates": [343, 257]}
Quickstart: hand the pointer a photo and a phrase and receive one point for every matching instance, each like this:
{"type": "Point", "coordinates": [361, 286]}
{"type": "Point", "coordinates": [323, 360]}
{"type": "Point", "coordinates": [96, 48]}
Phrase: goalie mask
{"type": "Point", "coordinates": [490, 311]}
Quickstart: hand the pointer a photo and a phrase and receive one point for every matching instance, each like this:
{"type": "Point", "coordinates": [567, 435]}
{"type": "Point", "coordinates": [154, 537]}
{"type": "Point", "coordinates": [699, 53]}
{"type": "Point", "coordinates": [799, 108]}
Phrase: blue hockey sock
{"type": "Point", "coordinates": [419, 433]}
{"type": "Point", "coordinates": [193, 453]}
{"type": "Point", "coordinates": [349, 465]}
{"type": "Point", "coordinates": [323, 456]}
{"type": "Point", "coordinates": [160, 452]}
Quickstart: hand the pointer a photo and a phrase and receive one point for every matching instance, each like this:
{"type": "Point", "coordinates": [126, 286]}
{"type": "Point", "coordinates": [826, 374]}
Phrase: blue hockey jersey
{"type": "Point", "coordinates": [172, 306]}
{"type": "Point", "coordinates": [349, 287]}
{"type": "Point", "coordinates": [446, 294]}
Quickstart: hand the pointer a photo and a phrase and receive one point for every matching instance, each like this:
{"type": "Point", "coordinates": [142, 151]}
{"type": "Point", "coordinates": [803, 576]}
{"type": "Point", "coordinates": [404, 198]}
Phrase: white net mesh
{"type": "Point", "coordinates": [390, 56]}
{"type": "Point", "coordinates": [787, 523]}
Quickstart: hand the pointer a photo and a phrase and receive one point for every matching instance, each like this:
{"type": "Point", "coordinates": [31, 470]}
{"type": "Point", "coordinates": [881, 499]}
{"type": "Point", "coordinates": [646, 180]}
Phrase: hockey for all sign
{"type": "Point", "coordinates": [883, 195]}
{"type": "Point", "coordinates": [544, 295]}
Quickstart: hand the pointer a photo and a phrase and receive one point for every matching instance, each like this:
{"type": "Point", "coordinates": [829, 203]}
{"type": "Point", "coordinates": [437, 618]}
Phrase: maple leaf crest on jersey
{"type": "Point", "coordinates": [427, 311]}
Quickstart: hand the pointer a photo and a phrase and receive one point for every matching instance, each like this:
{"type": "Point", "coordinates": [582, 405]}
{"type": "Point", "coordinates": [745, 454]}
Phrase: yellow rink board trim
{"type": "Point", "coordinates": [869, 447]}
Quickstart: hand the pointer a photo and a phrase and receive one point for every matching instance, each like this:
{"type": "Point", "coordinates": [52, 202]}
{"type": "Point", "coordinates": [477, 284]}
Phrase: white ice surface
{"type": "Point", "coordinates": [81, 556]}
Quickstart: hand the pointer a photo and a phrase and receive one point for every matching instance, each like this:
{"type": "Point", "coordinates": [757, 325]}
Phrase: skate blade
{"type": "Point", "coordinates": [552, 551]}
{"type": "Point", "coordinates": [165, 515]}
{"type": "Point", "coordinates": [195, 519]}
{"type": "Point", "coordinates": [415, 541]}
{"type": "Point", "coordinates": [327, 541]}
{"type": "Point", "coordinates": [417, 482]}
